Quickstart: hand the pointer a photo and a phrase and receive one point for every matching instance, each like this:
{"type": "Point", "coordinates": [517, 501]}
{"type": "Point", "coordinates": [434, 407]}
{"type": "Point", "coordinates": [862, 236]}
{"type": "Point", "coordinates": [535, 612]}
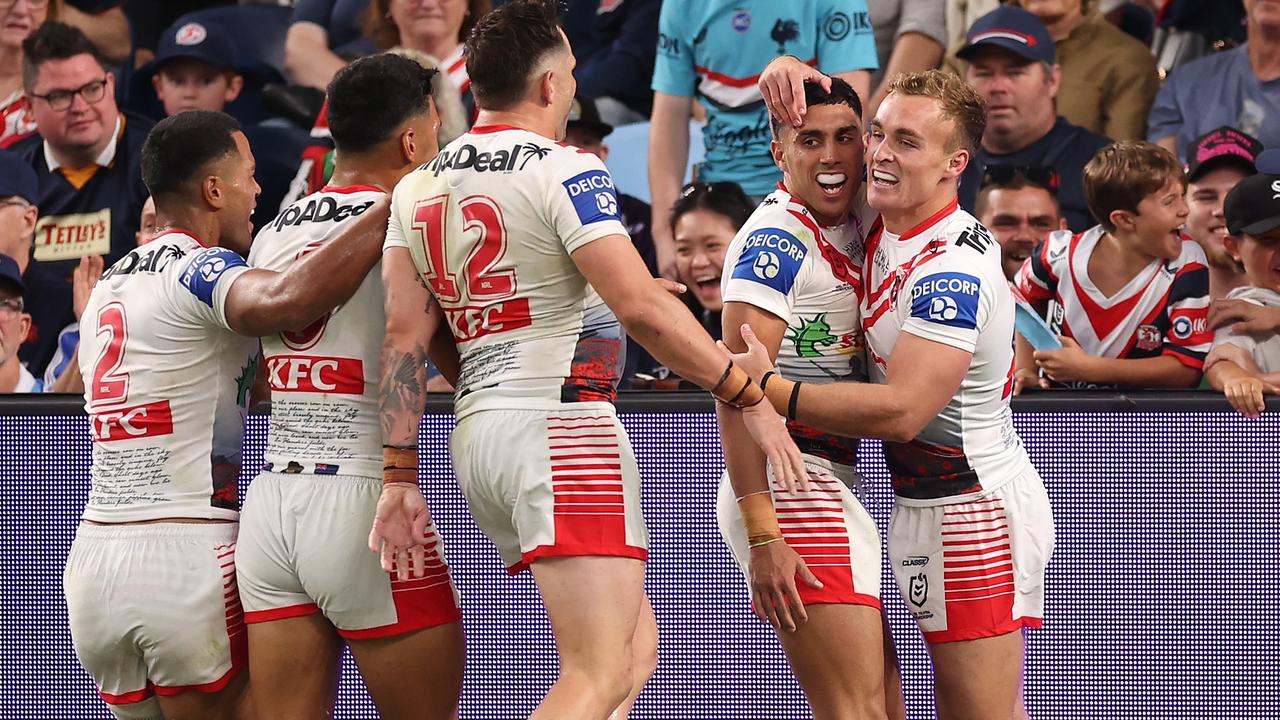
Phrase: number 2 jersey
{"type": "Point", "coordinates": [323, 378]}
{"type": "Point", "coordinates": [782, 261]}
{"type": "Point", "coordinates": [942, 281]}
{"type": "Point", "coordinates": [166, 383]}
{"type": "Point", "coordinates": [490, 224]}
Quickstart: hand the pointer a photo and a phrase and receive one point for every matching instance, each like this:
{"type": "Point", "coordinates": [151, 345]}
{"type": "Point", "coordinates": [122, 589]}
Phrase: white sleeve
{"type": "Point", "coordinates": [206, 284]}
{"type": "Point", "coordinates": [763, 269]}
{"type": "Point", "coordinates": [395, 229]}
{"type": "Point", "coordinates": [947, 302]}
{"type": "Point", "coordinates": [581, 202]}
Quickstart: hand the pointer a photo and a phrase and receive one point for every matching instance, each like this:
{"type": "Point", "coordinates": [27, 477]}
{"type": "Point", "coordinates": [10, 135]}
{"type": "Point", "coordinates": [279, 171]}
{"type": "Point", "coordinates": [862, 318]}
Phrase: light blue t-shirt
{"type": "Point", "coordinates": [715, 50]}
{"type": "Point", "coordinates": [1213, 91]}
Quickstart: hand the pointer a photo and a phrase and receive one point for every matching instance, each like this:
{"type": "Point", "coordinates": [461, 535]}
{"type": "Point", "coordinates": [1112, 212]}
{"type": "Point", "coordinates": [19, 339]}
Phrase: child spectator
{"type": "Point", "coordinates": [1244, 366]}
{"type": "Point", "coordinates": [1130, 297]}
{"type": "Point", "coordinates": [196, 69]}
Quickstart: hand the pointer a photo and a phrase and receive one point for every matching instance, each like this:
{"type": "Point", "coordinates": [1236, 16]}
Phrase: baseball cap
{"type": "Point", "coordinates": [11, 275]}
{"type": "Point", "coordinates": [1253, 205]}
{"type": "Point", "coordinates": [17, 177]}
{"type": "Point", "coordinates": [1220, 146]}
{"type": "Point", "coordinates": [1013, 29]}
{"type": "Point", "coordinates": [584, 114]}
{"type": "Point", "coordinates": [199, 41]}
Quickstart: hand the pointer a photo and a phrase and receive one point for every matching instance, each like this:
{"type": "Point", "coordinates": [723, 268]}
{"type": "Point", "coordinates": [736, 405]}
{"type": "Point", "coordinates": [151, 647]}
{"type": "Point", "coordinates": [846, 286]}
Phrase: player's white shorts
{"type": "Point", "coordinates": [304, 549]}
{"type": "Point", "coordinates": [154, 610]}
{"type": "Point", "coordinates": [827, 527]}
{"type": "Point", "coordinates": [975, 569]}
{"type": "Point", "coordinates": [551, 483]}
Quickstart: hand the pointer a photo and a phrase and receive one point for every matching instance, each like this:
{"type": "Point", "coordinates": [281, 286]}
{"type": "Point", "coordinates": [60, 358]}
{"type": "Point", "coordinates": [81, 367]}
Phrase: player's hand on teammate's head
{"type": "Point", "coordinates": [1245, 395]}
{"type": "Point", "coordinates": [782, 85]}
{"type": "Point", "coordinates": [772, 574]}
{"type": "Point", "coordinates": [400, 529]}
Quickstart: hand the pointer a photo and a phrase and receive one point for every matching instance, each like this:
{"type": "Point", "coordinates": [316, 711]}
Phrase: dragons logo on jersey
{"type": "Point", "coordinates": [810, 335]}
{"type": "Point", "coordinates": [244, 383]}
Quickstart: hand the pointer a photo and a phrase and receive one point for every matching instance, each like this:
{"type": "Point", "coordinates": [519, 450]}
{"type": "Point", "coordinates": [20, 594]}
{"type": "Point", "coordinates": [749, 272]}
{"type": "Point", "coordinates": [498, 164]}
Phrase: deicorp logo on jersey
{"type": "Point", "coordinates": [771, 257]}
{"type": "Point", "coordinates": [593, 196]}
{"type": "Point", "coordinates": [947, 298]}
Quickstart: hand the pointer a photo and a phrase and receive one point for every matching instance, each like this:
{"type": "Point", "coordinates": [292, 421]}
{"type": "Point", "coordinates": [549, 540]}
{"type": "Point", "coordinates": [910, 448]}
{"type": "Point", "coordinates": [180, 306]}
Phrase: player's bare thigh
{"type": "Point", "coordinates": [414, 676]}
{"type": "Point", "coordinates": [978, 679]}
{"type": "Point", "coordinates": [294, 666]}
{"type": "Point", "coordinates": [233, 702]}
{"type": "Point", "coordinates": [838, 657]}
{"type": "Point", "coordinates": [594, 603]}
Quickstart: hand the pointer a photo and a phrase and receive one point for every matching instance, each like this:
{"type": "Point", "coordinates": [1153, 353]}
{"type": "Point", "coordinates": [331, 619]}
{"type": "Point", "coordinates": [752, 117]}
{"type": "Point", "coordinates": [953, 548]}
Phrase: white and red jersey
{"type": "Point", "coordinates": [1163, 310]}
{"type": "Point", "coordinates": [166, 383]}
{"type": "Point", "coordinates": [16, 120]}
{"type": "Point", "coordinates": [324, 401]}
{"type": "Point", "coordinates": [942, 281]}
{"type": "Point", "coordinates": [455, 68]}
{"type": "Point", "coordinates": [783, 262]}
{"type": "Point", "coordinates": [490, 223]}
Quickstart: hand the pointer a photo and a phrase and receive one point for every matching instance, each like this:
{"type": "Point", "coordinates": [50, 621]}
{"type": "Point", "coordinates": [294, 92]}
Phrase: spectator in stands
{"type": "Point", "coordinates": [1132, 294]}
{"type": "Point", "coordinates": [1216, 162]}
{"type": "Point", "coordinates": [1020, 207]}
{"type": "Point", "coordinates": [434, 27]}
{"type": "Point", "coordinates": [195, 69]}
{"type": "Point", "coordinates": [48, 295]}
{"type": "Point", "coordinates": [103, 22]}
{"type": "Point", "coordinates": [614, 42]}
{"type": "Point", "coordinates": [18, 19]}
{"type": "Point", "coordinates": [587, 131]}
{"type": "Point", "coordinates": [1239, 88]}
{"type": "Point", "coordinates": [323, 37]}
{"type": "Point", "coordinates": [85, 155]}
{"type": "Point", "coordinates": [146, 223]}
{"type": "Point", "coordinates": [911, 35]}
{"type": "Point", "coordinates": [14, 324]}
{"type": "Point", "coordinates": [716, 50]}
{"type": "Point", "coordinates": [703, 221]}
{"type": "Point", "coordinates": [962, 14]}
{"type": "Point", "coordinates": [1012, 65]}
{"type": "Point", "coordinates": [1245, 365]}
{"type": "Point", "coordinates": [1109, 79]}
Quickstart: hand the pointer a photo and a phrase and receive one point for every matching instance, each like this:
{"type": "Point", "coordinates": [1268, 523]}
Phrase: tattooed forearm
{"type": "Point", "coordinates": [402, 389]}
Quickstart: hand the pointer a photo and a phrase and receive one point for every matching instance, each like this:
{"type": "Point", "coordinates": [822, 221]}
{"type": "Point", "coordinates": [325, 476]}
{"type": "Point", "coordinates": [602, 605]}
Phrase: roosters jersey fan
{"type": "Point", "coordinates": [1162, 311]}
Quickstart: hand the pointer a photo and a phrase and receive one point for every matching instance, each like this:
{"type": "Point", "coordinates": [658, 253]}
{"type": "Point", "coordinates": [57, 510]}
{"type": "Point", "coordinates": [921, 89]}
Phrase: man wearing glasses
{"type": "Point", "coordinates": [85, 154]}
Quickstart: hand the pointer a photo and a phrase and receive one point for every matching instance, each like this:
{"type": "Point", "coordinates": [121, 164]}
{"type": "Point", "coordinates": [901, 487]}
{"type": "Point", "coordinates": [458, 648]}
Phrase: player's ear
{"type": "Point", "coordinates": [547, 87]}
{"type": "Point", "coordinates": [956, 164]}
{"type": "Point", "coordinates": [408, 145]}
{"type": "Point", "coordinates": [779, 157]}
{"type": "Point", "coordinates": [214, 193]}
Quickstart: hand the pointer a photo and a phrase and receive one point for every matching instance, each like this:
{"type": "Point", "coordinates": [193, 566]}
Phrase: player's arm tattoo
{"type": "Point", "coordinates": [402, 389]}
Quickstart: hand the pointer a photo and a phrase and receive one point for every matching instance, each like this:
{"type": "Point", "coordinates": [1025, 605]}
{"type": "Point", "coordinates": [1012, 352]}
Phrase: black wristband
{"type": "Point", "coordinates": [765, 380]}
{"type": "Point", "coordinates": [723, 378]}
{"type": "Point", "coordinates": [791, 404]}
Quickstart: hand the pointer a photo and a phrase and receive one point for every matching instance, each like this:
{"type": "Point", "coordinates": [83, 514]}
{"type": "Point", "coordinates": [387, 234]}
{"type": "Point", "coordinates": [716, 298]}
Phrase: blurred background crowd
{"type": "Point", "coordinates": [668, 98]}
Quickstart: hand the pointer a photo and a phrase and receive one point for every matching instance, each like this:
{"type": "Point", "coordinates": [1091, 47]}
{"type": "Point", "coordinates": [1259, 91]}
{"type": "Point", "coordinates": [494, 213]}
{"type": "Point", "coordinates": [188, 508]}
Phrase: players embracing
{"type": "Point", "coordinates": [972, 530]}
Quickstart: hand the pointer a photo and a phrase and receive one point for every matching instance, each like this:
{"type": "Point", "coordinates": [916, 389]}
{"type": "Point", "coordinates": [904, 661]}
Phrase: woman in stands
{"type": "Point", "coordinates": [17, 19]}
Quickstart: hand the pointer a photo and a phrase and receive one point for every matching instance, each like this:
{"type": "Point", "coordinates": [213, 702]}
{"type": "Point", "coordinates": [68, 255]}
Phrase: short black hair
{"type": "Point", "coordinates": [723, 198]}
{"type": "Point", "coordinates": [373, 96]}
{"type": "Point", "coordinates": [179, 148]}
{"type": "Point", "coordinates": [506, 46]}
{"type": "Point", "coordinates": [53, 41]}
{"type": "Point", "coordinates": [841, 93]}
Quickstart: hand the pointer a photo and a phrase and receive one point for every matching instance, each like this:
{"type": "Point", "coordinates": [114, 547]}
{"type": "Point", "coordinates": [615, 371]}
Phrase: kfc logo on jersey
{"type": "Point", "coordinates": [593, 196]}
{"type": "Point", "coordinates": [201, 276]}
{"type": "Point", "coordinates": [150, 420]}
{"type": "Point", "coordinates": [1149, 337]}
{"type": "Point", "coordinates": [947, 298]}
{"type": "Point", "coordinates": [296, 373]}
{"type": "Point", "coordinates": [771, 257]}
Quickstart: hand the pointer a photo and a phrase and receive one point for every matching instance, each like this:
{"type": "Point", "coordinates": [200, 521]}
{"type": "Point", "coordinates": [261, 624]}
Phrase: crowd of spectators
{"type": "Point", "coordinates": [1072, 87]}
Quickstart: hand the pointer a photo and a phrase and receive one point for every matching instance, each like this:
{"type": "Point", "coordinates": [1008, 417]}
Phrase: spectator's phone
{"type": "Point", "coordinates": [1033, 328]}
